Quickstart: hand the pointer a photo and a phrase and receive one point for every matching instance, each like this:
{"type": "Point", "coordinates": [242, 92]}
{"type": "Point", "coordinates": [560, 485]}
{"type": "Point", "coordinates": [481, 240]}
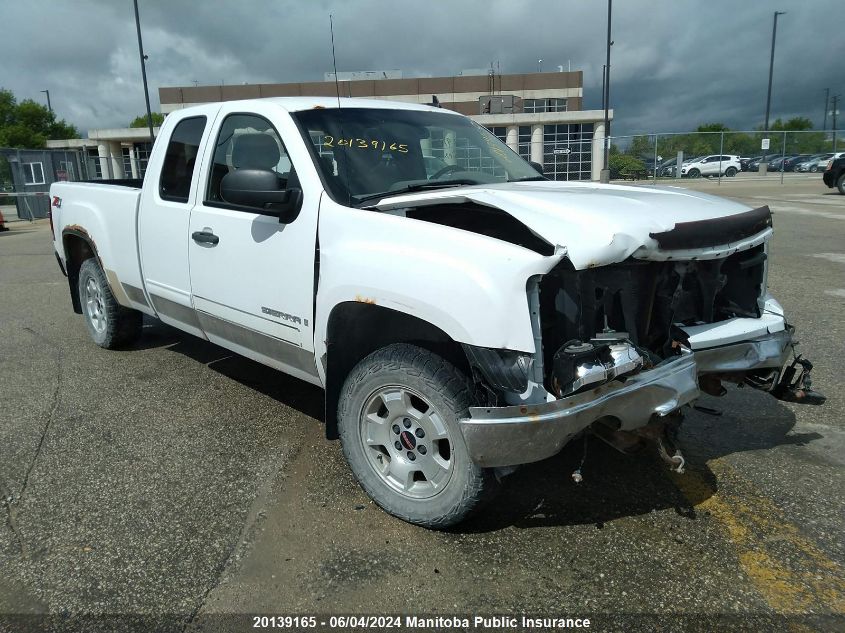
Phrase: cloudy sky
{"type": "Point", "coordinates": [676, 63]}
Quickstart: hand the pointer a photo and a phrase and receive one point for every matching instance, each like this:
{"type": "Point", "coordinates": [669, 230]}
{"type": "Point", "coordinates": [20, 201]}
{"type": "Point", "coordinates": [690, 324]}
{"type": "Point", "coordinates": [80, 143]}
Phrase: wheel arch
{"type": "Point", "coordinates": [357, 329]}
{"type": "Point", "coordinates": [78, 246]}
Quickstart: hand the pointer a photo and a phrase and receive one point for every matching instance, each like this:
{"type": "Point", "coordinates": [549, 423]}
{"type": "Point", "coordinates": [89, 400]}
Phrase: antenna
{"type": "Point", "coordinates": [334, 61]}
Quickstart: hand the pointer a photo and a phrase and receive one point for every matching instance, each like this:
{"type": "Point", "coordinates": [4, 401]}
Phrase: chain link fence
{"type": "Point", "coordinates": [723, 154]}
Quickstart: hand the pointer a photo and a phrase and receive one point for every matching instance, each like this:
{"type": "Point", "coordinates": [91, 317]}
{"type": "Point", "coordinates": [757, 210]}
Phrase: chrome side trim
{"type": "Point", "coordinates": [275, 348]}
{"type": "Point", "coordinates": [175, 311]}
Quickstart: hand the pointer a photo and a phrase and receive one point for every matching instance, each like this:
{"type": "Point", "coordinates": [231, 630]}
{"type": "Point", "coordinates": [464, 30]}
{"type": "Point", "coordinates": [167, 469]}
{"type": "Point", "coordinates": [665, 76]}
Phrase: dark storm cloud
{"type": "Point", "coordinates": [675, 64]}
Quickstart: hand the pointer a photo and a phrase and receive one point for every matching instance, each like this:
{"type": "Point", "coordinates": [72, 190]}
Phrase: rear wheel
{"type": "Point", "coordinates": [730, 172]}
{"type": "Point", "coordinates": [840, 184]}
{"type": "Point", "coordinates": [109, 324]}
{"type": "Point", "coordinates": [398, 421]}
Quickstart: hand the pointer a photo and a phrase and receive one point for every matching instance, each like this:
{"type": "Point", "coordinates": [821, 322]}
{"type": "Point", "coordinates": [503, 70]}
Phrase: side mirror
{"type": "Point", "coordinates": [261, 190]}
{"type": "Point", "coordinates": [537, 167]}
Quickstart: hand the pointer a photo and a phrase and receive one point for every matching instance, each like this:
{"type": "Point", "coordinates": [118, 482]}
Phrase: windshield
{"type": "Point", "coordinates": [363, 152]}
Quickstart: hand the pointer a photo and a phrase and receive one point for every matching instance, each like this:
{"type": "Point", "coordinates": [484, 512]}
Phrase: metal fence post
{"type": "Point", "coordinates": [721, 151]}
{"type": "Point", "coordinates": [782, 157]}
{"type": "Point", "coordinates": [654, 167]}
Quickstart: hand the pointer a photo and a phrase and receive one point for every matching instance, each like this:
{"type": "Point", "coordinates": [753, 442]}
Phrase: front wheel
{"type": "Point", "coordinates": [398, 421]}
{"type": "Point", "coordinates": [814, 168]}
{"type": "Point", "coordinates": [694, 173]}
{"type": "Point", "coordinates": [109, 324]}
{"type": "Point", "coordinates": [840, 184]}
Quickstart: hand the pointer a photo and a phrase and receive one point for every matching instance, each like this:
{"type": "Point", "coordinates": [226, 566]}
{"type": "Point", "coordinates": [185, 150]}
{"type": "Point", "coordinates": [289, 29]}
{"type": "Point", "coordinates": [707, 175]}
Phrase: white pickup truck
{"type": "Point", "coordinates": [463, 314]}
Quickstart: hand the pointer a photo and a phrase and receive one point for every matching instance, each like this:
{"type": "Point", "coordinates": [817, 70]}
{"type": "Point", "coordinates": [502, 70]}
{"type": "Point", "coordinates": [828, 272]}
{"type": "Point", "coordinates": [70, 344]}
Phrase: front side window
{"type": "Point", "coordinates": [180, 159]}
{"type": "Point", "coordinates": [364, 152]}
{"type": "Point", "coordinates": [33, 173]}
{"type": "Point", "coordinates": [246, 141]}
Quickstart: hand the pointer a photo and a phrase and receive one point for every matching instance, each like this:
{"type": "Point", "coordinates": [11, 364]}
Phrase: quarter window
{"type": "Point", "coordinates": [180, 160]}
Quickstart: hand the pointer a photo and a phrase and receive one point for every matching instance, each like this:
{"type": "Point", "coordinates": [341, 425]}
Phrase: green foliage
{"type": "Point", "coordinates": [623, 164]}
{"type": "Point", "coordinates": [29, 124]}
{"type": "Point", "coordinates": [141, 120]}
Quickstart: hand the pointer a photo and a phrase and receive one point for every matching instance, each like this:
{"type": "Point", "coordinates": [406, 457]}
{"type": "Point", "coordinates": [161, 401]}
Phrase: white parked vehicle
{"type": "Point", "coordinates": [461, 322]}
{"type": "Point", "coordinates": [714, 165]}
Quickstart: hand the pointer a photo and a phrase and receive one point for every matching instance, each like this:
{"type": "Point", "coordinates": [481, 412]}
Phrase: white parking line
{"type": "Point", "coordinates": [838, 258]}
{"type": "Point", "coordinates": [836, 293]}
{"type": "Point", "coordinates": [779, 208]}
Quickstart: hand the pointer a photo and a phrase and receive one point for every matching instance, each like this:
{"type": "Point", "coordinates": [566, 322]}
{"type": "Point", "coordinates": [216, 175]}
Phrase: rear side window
{"type": "Point", "coordinates": [181, 157]}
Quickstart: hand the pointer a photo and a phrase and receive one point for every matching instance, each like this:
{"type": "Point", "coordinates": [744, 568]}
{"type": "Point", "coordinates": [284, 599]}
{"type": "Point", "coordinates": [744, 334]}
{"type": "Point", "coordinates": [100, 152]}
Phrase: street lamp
{"type": "Point", "coordinates": [771, 68]}
{"type": "Point", "coordinates": [144, 71]}
{"type": "Point", "coordinates": [49, 107]}
{"type": "Point", "coordinates": [605, 172]}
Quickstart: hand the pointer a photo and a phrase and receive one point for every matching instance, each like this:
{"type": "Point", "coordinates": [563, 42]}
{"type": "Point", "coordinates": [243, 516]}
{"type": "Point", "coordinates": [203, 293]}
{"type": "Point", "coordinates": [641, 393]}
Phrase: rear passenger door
{"type": "Point", "coordinates": [252, 277]}
{"type": "Point", "coordinates": [169, 191]}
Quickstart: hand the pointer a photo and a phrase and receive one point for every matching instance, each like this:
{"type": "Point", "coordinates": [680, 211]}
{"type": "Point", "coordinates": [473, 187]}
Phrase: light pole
{"type": "Point", "coordinates": [539, 65]}
{"type": "Point", "coordinates": [605, 172]}
{"type": "Point", "coordinates": [771, 69]}
{"type": "Point", "coordinates": [49, 106]}
{"type": "Point", "coordinates": [826, 101]}
{"type": "Point", "coordinates": [764, 164]}
{"type": "Point", "coordinates": [144, 71]}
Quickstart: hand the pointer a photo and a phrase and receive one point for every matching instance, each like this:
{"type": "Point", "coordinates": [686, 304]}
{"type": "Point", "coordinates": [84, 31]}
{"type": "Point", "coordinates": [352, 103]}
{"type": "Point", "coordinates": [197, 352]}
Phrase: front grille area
{"type": "Point", "coordinates": [646, 299]}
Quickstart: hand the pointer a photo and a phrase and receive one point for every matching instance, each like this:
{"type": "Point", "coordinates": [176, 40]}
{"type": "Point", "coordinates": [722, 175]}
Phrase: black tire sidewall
{"type": "Point", "coordinates": [412, 367]}
{"type": "Point", "coordinates": [840, 183]}
{"type": "Point", "coordinates": [123, 325]}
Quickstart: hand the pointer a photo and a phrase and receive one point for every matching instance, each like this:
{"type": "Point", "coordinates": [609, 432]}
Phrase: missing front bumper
{"type": "Point", "coordinates": [520, 434]}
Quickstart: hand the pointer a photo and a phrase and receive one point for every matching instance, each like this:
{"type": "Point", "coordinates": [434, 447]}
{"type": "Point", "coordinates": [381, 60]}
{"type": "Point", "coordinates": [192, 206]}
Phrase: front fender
{"type": "Point", "coordinates": [471, 286]}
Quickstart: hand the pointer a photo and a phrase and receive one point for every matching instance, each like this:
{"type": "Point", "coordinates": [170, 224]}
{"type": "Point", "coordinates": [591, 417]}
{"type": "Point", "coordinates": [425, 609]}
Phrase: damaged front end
{"type": "Point", "coordinates": [621, 347]}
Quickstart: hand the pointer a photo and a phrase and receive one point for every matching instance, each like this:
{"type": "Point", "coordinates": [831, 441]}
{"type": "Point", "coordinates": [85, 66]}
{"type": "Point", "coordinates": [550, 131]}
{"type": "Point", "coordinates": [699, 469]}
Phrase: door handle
{"type": "Point", "coordinates": [205, 237]}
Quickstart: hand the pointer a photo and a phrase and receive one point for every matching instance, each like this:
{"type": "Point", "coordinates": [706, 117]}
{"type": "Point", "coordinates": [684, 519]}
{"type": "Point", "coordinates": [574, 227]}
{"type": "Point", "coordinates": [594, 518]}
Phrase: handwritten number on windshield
{"type": "Point", "coordinates": [360, 143]}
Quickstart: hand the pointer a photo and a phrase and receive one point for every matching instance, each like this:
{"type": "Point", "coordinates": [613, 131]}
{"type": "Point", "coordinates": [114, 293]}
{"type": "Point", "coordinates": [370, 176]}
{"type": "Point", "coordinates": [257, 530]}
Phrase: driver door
{"type": "Point", "coordinates": [252, 277]}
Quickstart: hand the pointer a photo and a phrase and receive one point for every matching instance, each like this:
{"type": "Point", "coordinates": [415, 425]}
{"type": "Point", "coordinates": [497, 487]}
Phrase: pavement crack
{"type": "Point", "coordinates": [12, 501]}
{"type": "Point", "coordinates": [12, 519]}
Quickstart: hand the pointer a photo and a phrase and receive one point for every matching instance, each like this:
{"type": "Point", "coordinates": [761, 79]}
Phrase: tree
{"type": "Point", "coordinates": [29, 124]}
{"type": "Point", "coordinates": [141, 120]}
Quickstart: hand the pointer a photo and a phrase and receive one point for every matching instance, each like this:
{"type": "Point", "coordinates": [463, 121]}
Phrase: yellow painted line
{"type": "Point", "coordinates": [753, 523]}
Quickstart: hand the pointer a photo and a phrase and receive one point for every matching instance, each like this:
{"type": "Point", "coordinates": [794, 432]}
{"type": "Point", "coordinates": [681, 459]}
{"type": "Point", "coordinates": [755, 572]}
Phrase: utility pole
{"type": "Point", "coordinates": [605, 172]}
{"type": "Point", "coordinates": [603, 79]}
{"type": "Point", "coordinates": [49, 107]}
{"type": "Point", "coordinates": [144, 71]}
{"type": "Point", "coordinates": [826, 102]}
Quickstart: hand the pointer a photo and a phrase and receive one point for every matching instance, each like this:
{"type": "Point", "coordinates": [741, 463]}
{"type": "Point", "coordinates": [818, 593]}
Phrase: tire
{"type": "Point", "coordinates": [110, 325]}
{"type": "Point", "coordinates": [427, 396]}
{"type": "Point", "coordinates": [840, 184]}
{"type": "Point", "coordinates": [814, 168]}
{"type": "Point", "coordinates": [693, 173]}
{"type": "Point", "coordinates": [730, 172]}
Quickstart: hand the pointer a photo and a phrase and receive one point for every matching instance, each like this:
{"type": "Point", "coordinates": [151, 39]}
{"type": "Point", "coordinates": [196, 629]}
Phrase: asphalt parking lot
{"type": "Point", "coordinates": [175, 478]}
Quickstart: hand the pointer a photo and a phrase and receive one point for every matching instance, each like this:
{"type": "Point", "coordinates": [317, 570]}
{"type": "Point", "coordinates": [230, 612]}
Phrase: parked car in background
{"type": "Point", "coordinates": [714, 165]}
{"type": "Point", "coordinates": [790, 162]}
{"type": "Point", "coordinates": [834, 175]}
{"type": "Point", "coordinates": [816, 162]}
{"type": "Point", "coordinates": [754, 165]}
{"type": "Point", "coordinates": [744, 160]}
{"type": "Point", "coordinates": [776, 164]}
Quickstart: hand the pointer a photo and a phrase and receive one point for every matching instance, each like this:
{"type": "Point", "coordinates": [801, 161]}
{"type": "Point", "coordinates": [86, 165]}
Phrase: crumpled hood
{"type": "Point", "coordinates": [596, 224]}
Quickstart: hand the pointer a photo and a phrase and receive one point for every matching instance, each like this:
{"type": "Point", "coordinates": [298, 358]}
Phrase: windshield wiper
{"type": "Point", "coordinates": [527, 178]}
{"type": "Point", "coordinates": [434, 184]}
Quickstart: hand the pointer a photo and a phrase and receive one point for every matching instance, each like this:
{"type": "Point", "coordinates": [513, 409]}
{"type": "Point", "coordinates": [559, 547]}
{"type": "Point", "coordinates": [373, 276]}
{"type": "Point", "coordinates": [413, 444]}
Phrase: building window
{"type": "Point", "coordinates": [567, 151]}
{"type": "Point", "coordinates": [500, 132]}
{"type": "Point", "coordinates": [142, 155]}
{"type": "Point", "coordinates": [524, 141]}
{"type": "Point", "coordinates": [33, 173]}
{"type": "Point", "coordinates": [127, 162]}
{"type": "Point", "coordinates": [544, 105]}
{"type": "Point", "coordinates": [94, 165]}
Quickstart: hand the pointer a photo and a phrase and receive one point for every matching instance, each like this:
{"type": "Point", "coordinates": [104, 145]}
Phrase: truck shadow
{"type": "Point", "coordinates": [543, 494]}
